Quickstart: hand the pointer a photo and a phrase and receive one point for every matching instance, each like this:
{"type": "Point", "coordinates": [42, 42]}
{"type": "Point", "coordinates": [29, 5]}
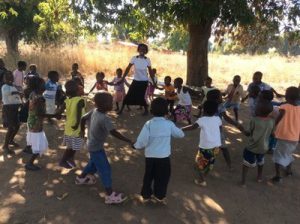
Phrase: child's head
{"type": "Point", "coordinates": [178, 83]}
{"type": "Point", "coordinates": [142, 49]}
{"type": "Point", "coordinates": [53, 76]}
{"type": "Point", "coordinates": [210, 108]}
{"type": "Point", "coordinates": [263, 108]}
{"type": "Point", "coordinates": [257, 77]}
{"type": "Point", "coordinates": [159, 107]}
{"type": "Point", "coordinates": [236, 80]}
{"type": "Point", "coordinates": [75, 67]}
{"type": "Point", "coordinates": [119, 72]}
{"type": "Point", "coordinates": [154, 71]}
{"type": "Point", "coordinates": [266, 95]}
{"type": "Point", "coordinates": [103, 101]}
{"type": "Point", "coordinates": [100, 76]}
{"type": "Point", "coordinates": [292, 94]}
{"type": "Point", "coordinates": [254, 91]}
{"type": "Point", "coordinates": [8, 78]}
{"type": "Point", "coordinates": [71, 88]}
{"type": "Point", "coordinates": [78, 81]}
{"type": "Point", "coordinates": [208, 82]}
{"type": "Point", "coordinates": [22, 65]}
{"type": "Point", "coordinates": [39, 85]}
{"type": "Point", "coordinates": [214, 95]}
{"type": "Point", "coordinates": [2, 64]}
{"type": "Point", "coordinates": [33, 68]}
{"type": "Point", "coordinates": [168, 80]}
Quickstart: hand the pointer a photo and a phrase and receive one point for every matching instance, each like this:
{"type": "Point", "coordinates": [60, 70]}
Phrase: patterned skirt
{"type": "Point", "coordinates": [75, 143]}
{"type": "Point", "coordinates": [183, 112]}
{"type": "Point", "coordinates": [205, 159]}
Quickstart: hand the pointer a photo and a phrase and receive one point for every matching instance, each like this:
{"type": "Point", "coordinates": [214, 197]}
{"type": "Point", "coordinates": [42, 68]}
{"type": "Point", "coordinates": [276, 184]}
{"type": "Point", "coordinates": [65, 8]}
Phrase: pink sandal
{"type": "Point", "coordinates": [88, 180]}
{"type": "Point", "coordinates": [115, 198]}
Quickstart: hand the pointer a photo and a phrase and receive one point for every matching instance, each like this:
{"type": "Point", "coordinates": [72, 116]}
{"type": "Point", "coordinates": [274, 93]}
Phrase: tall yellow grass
{"type": "Point", "coordinates": [278, 71]}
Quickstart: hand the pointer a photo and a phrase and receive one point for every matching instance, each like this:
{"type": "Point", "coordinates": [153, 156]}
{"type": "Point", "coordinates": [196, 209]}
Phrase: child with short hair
{"type": "Point", "coordinates": [203, 92]}
{"type": "Point", "coordinates": [234, 93]}
{"type": "Point", "coordinates": [287, 133]}
{"type": "Point", "coordinates": [119, 88]}
{"type": "Point", "coordinates": [260, 128]}
{"type": "Point", "coordinates": [75, 73]}
{"type": "Point", "coordinates": [32, 72]}
{"type": "Point", "coordinates": [210, 139]}
{"type": "Point", "coordinates": [152, 83]}
{"type": "Point", "coordinates": [184, 107]}
{"type": "Point", "coordinates": [10, 112]}
{"type": "Point", "coordinates": [79, 85]}
{"type": "Point", "coordinates": [19, 75]}
{"type": "Point", "coordinates": [51, 88]}
{"type": "Point", "coordinates": [100, 83]}
{"type": "Point", "coordinates": [254, 91]}
{"type": "Point", "coordinates": [170, 94]}
{"type": "Point", "coordinates": [155, 137]}
{"type": "Point", "coordinates": [100, 126]}
{"type": "Point", "coordinates": [75, 108]}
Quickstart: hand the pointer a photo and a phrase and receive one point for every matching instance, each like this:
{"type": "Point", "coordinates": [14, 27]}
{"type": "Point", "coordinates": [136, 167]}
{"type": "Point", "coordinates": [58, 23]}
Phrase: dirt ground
{"type": "Point", "coordinates": [31, 197]}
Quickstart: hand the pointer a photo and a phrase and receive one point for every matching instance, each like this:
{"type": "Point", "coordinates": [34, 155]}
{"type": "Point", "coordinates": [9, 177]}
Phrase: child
{"type": "Point", "coordinates": [151, 86]}
{"type": "Point", "coordinates": [32, 72]}
{"type": "Point", "coordinates": [36, 137]}
{"type": "Point", "coordinates": [100, 126]}
{"type": "Point", "coordinates": [119, 88]}
{"type": "Point", "coordinates": [19, 75]}
{"type": "Point", "coordinates": [184, 107]}
{"type": "Point", "coordinates": [75, 108]}
{"type": "Point", "coordinates": [11, 103]}
{"type": "Point", "coordinates": [79, 85]}
{"type": "Point", "coordinates": [259, 131]}
{"type": "Point", "coordinates": [254, 91]}
{"type": "Point", "coordinates": [204, 90]}
{"type": "Point", "coordinates": [76, 74]}
{"type": "Point", "coordinates": [100, 84]}
{"type": "Point", "coordinates": [155, 137]}
{"type": "Point", "coordinates": [287, 133]}
{"type": "Point", "coordinates": [234, 93]}
{"type": "Point", "coordinates": [216, 96]}
{"type": "Point", "coordinates": [210, 139]}
{"type": "Point", "coordinates": [51, 88]}
{"type": "Point", "coordinates": [170, 94]}
{"type": "Point", "coordinates": [2, 72]}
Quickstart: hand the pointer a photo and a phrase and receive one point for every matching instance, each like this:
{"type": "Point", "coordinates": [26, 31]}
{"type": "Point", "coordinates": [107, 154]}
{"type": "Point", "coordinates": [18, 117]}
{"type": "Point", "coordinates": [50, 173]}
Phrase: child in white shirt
{"type": "Point", "coordinates": [155, 137]}
{"type": "Point", "coordinates": [210, 139]}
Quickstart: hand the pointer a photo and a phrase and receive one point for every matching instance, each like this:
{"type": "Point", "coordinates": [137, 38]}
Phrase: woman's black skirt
{"type": "Point", "coordinates": [136, 93]}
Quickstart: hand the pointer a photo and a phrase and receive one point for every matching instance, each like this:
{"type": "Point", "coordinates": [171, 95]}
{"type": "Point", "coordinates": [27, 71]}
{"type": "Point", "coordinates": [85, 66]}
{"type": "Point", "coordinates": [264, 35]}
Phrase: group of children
{"type": "Point", "coordinates": [32, 99]}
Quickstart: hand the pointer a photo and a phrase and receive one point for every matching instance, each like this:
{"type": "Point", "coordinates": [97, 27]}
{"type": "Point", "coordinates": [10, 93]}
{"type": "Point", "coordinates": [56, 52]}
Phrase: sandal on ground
{"type": "Point", "coordinates": [115, 198]}
{"type": "Point", "coordinates": [276, 179]}
{"type": "Point", "coordinates": [161, 201]}
{"type": "Point", "coordinates": [87, 180]}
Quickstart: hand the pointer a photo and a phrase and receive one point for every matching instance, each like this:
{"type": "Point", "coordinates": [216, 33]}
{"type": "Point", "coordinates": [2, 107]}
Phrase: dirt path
{"type": "Point", "coordinates": [31, 197]}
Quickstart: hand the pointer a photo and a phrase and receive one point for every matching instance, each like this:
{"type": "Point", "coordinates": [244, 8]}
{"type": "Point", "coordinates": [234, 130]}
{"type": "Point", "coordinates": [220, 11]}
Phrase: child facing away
{"type": "Point", "coordinates": [119, 87]}
{"type": "Point", "coordinates": [155, 137]}
{"type": "Point", "coordinates": [203, 92]}
{"type": "Point", "coordinates": [287, 133]}
{"type": "Point", "coordinates": [260, 128]}
{"type": "Point", "coordinates": [234, 93]}
{"type": "Point", "coordinates": [31, 73]}
{"type": "Point", "coordinates": [151, 86]}
{"type": "Point", "coordinates": [210, 140]}
{"type": "Point", "coordinates": [36, 138]}
{"type": "Point", "coordinates": [51, 88]}
{"type": "Point", "coordinates": [100, 126]}
{"type": "Point", "coordinates": [10, 112]}
{"type": "Point", "coordinates": [100, 83]}
{"type": "Point", "coordinates": [75, 108]}
{"type": "Point", "coordinates": [170, 94]}
{"type": "Point", "coordinates": [254, 91]}
{"type": "Point", "coordinates": [19, 75]}
{"type": "Point", "coordinates": [75, 73]}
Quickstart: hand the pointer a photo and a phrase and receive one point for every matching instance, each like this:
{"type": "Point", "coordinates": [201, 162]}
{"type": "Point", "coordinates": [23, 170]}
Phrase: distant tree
{"type": "Point", "coordinates": [178, 39]}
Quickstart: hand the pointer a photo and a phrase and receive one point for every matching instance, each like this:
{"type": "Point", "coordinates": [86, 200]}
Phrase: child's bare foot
{"type": "Point", "coordinates": [200, 183]}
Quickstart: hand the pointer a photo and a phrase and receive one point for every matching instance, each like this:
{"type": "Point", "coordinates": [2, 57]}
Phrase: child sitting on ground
{"type": "Point", "coordinates": [203, 92]}
{"type": "Point", "coordinates": [234, 93]}
{"type": "Point", "coordinates": [170, 94]}
{"type": "Point", "coordinates": [76, 74]}
{"type": "Point", "coordinates": [287, 133]}
{"type": "Point", "coordinates": [75, 108]}
{"type": "Point", "coordinates": [260, 128]}
{"type": "Point", "coordinates": [210, 139]}
{"type": "Point", "coordinates": [11, 103]}
{"type": "Point", "coordinates": [100, 126]}
{"type": "Point", "coordinates": [155, 137]}
{"type": "Point", "coordinates": [100, 84]}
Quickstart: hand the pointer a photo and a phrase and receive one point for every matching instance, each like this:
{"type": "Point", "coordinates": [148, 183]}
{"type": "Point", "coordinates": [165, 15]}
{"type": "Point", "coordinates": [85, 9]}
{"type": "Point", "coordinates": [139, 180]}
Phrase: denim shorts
{"type": "Point", "coordinates": [251, 159]}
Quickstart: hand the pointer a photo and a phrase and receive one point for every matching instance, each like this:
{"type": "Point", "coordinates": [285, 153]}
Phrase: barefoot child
{"type": "Point", "coordinates": [260, 128]}
{"type": "Point", "coordinates": [210, 139]}
{"type": "Point", "coordinates": [11, 103]}
{"type": "Point", "coordinates": [100, 126]}
{"type": "Point", "coordinates": [287, 133]}
{"type": "Point", "coordinates": [155, 137]}
{"type": "Point", "coordinates": [100, 84]}
{"type": "Point", "coordinates": [75, 108]}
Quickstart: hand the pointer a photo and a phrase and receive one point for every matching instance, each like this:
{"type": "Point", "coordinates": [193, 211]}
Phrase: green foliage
{"type": "Point", "coordinates": [178, 39]}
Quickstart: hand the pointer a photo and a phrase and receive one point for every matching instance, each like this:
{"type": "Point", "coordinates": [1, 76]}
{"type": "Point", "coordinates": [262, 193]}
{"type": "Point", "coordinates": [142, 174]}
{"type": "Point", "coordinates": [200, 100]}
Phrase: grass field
{"type": "Point", "coordinates": [278, 71]}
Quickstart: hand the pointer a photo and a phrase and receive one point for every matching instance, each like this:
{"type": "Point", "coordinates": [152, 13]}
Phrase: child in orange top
{"type": "Point", "coordinates": [100, 84]}
{"type": "Point", "coordinates": [170, 94]}
{"type": "Point", "coordinates": [287, 133]}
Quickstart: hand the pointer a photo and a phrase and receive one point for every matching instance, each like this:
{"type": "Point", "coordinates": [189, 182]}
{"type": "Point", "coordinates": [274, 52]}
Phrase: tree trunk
{"type": "Point", "coordinates": [12, 42]}
{"type": "Point", "coordinates": [197, 54]}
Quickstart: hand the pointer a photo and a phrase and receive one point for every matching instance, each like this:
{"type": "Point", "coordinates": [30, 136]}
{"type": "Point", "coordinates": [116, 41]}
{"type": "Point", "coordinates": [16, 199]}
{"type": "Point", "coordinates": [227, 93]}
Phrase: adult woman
{"type": "Point", "coordinates": [138, 87]}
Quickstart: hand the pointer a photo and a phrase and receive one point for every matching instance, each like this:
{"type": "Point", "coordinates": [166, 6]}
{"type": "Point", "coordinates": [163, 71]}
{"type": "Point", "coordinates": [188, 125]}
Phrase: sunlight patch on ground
{"type": "Point", "coordinates": [212, 204]}
{"type": "Point", "coordinates": [14, 199]}
{"type": "Point", "coordinates": [5, 214]}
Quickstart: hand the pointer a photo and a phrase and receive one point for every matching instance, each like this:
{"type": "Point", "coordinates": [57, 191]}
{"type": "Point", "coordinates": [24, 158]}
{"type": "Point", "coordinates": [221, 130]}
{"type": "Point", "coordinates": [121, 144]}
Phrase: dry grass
{"type": "Point", "coordinates": [280, 72]}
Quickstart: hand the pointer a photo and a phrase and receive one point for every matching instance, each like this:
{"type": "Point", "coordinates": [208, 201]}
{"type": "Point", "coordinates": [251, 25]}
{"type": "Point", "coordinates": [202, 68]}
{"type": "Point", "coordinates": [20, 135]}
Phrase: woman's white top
{"type": "Point", "coordinates": [140, 65]}
{"type": "Point", "coordinates": [184, 98]}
